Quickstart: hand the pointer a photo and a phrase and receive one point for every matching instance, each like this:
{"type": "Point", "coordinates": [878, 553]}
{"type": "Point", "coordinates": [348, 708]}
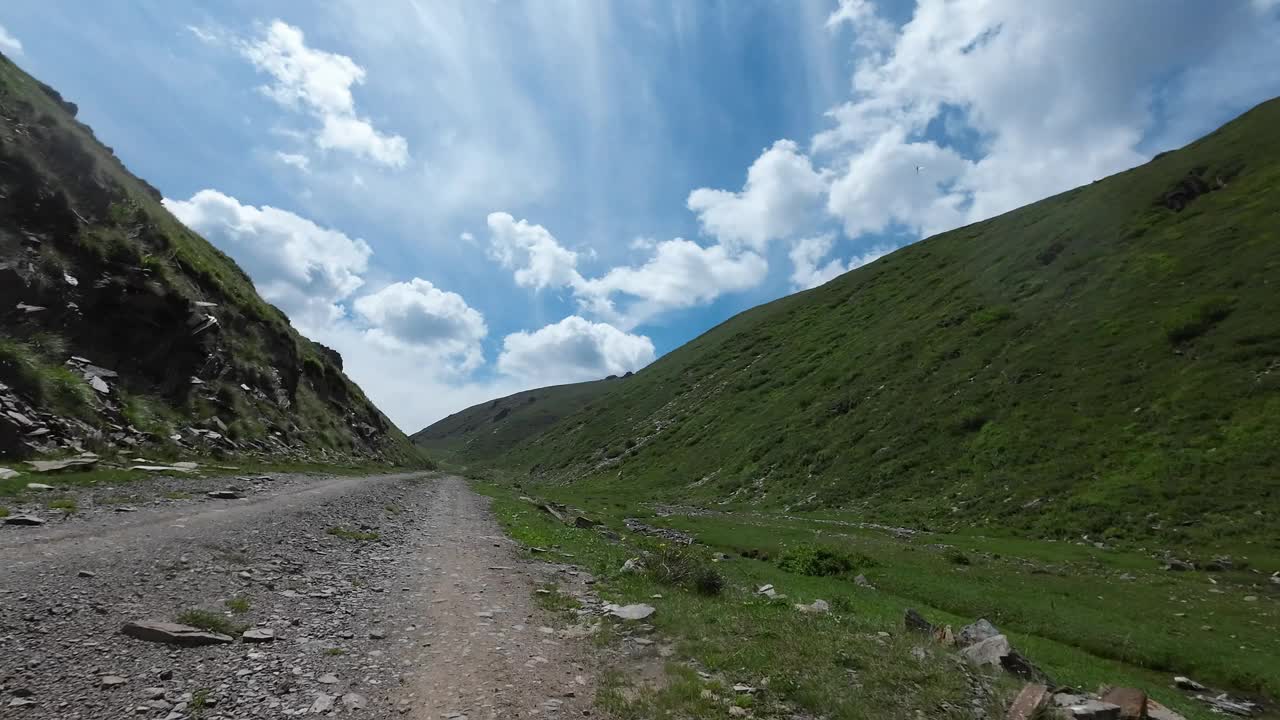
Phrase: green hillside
{"type": "Point", "coordinates": [123, 331]}
{"type": "Point", "coordinates": [1105, 362]}
{"type": "Point", "coordinates": [488, 429]}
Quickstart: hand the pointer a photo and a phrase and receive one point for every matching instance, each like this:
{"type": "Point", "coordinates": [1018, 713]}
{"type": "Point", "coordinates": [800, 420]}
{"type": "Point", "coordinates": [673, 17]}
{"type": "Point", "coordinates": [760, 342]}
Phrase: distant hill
{"type": "Point", "coordinates": [483, 431]}
{"type": "Point", "coordinates": [1105, 362]}
{"type": "Point", "coordinates": [122, 330]}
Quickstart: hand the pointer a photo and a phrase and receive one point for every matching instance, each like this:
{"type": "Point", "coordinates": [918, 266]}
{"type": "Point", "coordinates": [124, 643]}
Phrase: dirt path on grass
{"type": "Point", "coordinates": [427, 613]}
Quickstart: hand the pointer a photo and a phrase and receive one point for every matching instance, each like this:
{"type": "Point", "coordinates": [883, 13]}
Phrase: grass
{"type": "Point", "coordinates": [1087, 616]}
{"type": "Point", "coordinates": [357, 535]}
{"type": "Point", "coordinates": [239, 604]}
{"type": "Point", "coordinates": [211, 621]}
{"type": "Point", "coordinates": [68, 506]}
{"type": "Point", "coordinates": [1092, 364]}
{"type": "Point", "coordinates": [335, 651]}
{"type": "Point", "coordinates": [4, 511]}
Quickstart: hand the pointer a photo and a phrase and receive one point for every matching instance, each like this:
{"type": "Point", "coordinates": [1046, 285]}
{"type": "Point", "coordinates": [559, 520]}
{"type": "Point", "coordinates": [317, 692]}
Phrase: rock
{"type": "Point", "coordinates": [82, 460]}
{"type": "Point", "coordinates": [1029, 702]}
{"type": "Point", "coordinates": [735, 711]}
{"type": "Point", "coordinates": [1224, 703]}
{"type": "Point", "coordinates": [23, 520]}
{"type": "Point", "coordinates": [1156, 711]}
{"type": "Point", "coordinates": [322, 704]}
{"type": "Point", "coordinates": [990, 651]}
{"type": "Point", "coordinates": [817, 607]}
{"type": "Point", "coordinates": [355, 701]}
{"type": "Point", "coordinates": [224, 495]}
{"type": "Point", "coordinates": [1131, 701]}
{"type": "Point", "coordinates": [1186, 683]}
{"type": "Point", "coordinates": [111, 681]}
{"type": "Point", "coordinates": [162, 468]}
{"type": "Point", "coordinates": [258, 635]}
{"type": "Point", "coordinates": [583, 522]}
{"type": "Point", "coordinates": [548, 509]}
{"type": "Point", "coordinates": [173, 634]}
{"type": "Point", "coordinates": [39, 486]}
{"type": "Point", "coordinates": [6, 473]}
{"type": "Point", "coordinates": [862, 582]}
{"type": "Point", "coordinates": [1093, 710]}
{"type": "Point", "coordinates": [86, 574]}
{"type": "Point", "coordinates": [377, 635]}
{"type": "Point", "coordinates": [21, 702]}
{"type": "Point", "coordinates": [1176, 565]}
{"type": "Point", "coordinates": [634, 565]}
{"type": "Point", "coordinates": [153, 693]}
{"type": "Point", "coordinates": [915, 621]}
{"type": "Point", "coordinates": [99, 384]}
{"type": "Point", "coordinates": [639, 611]}
{"type": "Point", "coordinates": [976, 633]}
{"type": "Point", "coordinates": [328, 679]}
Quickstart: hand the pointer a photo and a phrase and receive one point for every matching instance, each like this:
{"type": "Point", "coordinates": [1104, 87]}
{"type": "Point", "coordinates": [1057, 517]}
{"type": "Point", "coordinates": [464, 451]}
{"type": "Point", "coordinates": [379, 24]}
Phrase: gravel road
{"type": "Point", "coordinates": [391, 596]}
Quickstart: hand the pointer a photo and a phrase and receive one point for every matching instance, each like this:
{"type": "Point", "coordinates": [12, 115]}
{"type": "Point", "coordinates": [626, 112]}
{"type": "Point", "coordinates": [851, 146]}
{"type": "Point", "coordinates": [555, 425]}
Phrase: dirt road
{"type": "Point", "coordinates": [392, 596]}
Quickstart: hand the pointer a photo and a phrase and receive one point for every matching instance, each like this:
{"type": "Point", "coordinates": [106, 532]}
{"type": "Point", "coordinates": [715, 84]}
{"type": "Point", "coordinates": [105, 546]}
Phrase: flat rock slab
{"type": "Point", "coordinates": [1029, 702]}
{"type": "Point", "coordinates": [161, 468]}
{"type": "Point", "coordinates": [80, 461]}
{"type": "Point", "coordinates": [6, 473]}
{"type": "Point", "coordinates": [639, 611]}
{"type": "Point", "coordinates": [258, 635]}
{"type": "Point", "coordinates": [173, 634]}
{"type": "Point", "coordinates": [23, 520]}
{"type": "Point", "coordinates": [1132, 702]}
{"type": "Point", "coordinates": [224, 495]}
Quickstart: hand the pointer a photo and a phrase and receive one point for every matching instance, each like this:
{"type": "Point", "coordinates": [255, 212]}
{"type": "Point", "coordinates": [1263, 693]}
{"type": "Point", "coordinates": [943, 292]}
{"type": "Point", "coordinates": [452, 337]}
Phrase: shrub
{"type": "Point", "coordinates": [819, 561]}
{"type": "Point", "coordinates": [238, 604]}
{"type": "Point", "coordinates": [955, 557]}
{"type": "Point", "coordinates": [66, 505]}
{"type": "Point", "coordinates": [211, 621]}
{"type": "Point", "coordinates": [681, 566]}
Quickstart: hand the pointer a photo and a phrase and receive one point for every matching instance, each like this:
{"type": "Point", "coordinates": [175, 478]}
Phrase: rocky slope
{"type": "Point", "coordinates": [1104, 363]}
{"type": "Point", "coordinates": [121, 329]}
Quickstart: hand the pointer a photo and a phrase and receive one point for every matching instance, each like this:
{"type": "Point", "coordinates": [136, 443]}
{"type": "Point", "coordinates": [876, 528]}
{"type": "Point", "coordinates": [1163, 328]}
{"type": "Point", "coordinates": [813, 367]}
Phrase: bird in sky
{"type": "Point", "coordinates": [919, 168]}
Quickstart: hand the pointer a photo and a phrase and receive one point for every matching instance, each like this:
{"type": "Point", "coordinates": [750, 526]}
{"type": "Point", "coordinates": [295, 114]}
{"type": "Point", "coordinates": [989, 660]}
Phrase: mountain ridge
{"type": "Point", "coordinates": [1100, 362]}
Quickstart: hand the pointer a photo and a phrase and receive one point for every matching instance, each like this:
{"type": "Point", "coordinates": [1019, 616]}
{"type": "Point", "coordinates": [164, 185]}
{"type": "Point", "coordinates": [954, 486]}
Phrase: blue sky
{"type": "Point", "coordinates": [470, 198]}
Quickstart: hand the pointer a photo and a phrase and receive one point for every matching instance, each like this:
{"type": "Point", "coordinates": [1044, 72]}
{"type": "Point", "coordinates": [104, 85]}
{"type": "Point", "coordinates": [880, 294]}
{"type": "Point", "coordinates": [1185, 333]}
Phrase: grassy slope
{"type": "Point", "coordinates": [485, 430]}
{"type": "Point", "coordinates": [1092, 364]}
{"type": "Point", "coordinates": [146, 250]}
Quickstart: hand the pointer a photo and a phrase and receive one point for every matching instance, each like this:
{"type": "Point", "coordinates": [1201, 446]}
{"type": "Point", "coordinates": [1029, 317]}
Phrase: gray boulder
{"type": "Point", "coordinates": [173, 634]}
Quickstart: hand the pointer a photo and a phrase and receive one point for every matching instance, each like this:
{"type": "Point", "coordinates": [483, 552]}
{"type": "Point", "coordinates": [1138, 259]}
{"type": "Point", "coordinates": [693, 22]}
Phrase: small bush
{"type": "Point", "coordinates": [955, 557]}
{"type": "Point", "coordinates": [210, 621]}
{"type": "Point", "coordinates": [820, 561]}
{"type": "Point", "coordinates": [66, 505]}
{"type": "Point", "coordinates": [339, 531]}
{"type": "Point", "coordinates": [238, 604]}
{"type": "Point", "coordinates": [680, 566]}
{"type": "Point", "coordinates": [4, 511]}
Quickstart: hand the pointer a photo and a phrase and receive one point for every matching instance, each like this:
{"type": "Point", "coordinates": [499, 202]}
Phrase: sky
{"type": "Point", "coordinates": [470, 198]}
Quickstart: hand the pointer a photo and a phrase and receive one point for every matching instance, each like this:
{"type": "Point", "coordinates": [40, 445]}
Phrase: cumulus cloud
{"type": "Point", "coordinates": [539, 260]}
{"type": "Point", "coordinates": [573, 350]}
{"type": "Point", "coordinates": [9, 43]}
{"type": "Point", "coordinates": [680, 274]}
{"type": "Point", "coordinates": [418, 316]}
{"type": "Point", "coordinates": [305, 269]}
{"type": "Point", "coordinates": [1054, 96]}
{"type": "Point", "coordinates": [809, 271]}
{"type": "Point", "coordinates": [782, 194]}
{"type": "Point", "coordinates": [319, 83]}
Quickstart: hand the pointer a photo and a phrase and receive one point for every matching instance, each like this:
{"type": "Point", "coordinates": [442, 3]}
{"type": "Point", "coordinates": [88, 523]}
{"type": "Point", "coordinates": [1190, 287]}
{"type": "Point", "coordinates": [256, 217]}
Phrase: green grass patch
{"type": "Point", "coordinates": [821, 560]}
{"type": "Point", "coordinates": [240, 604]}
{"type": "Point", "coordinates": [358, 535]}
{"type": "Point", "coordinates": [211, 621]}
{"type": "Point", "coordinates": [67, 505]}
{"type": "Point", "coordinates": [4, 511]}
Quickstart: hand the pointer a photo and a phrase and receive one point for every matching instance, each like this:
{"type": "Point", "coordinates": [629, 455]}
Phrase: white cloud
{"type": "Point", "coordinates": [301, 162]}
{"type": "Point", "coordinates": [809, 271]}
{"type": "Point", "coordinates": [299, 266]}
{"type": "Point", "coordinates": [573, 350]}
{"type": "Point", "coordinates": [418, 316]}
{"type": "Point", "coordinates": [680, 274]}
{"type": "Point", "coordinates": [9, 43]}
{"type": "Point", "coordinates": [539, 260]}
{"type": "Point", "coordinates": [782, 195]}
{"type": "Point", "coordinates": [320, 83]}
{"type": "Point", "coordinates": [1053, 96]}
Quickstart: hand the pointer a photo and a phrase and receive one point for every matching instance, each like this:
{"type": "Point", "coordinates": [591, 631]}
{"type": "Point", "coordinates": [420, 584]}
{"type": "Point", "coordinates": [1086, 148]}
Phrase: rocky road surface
{"type": "Point", "coordinates": [418, 607]}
